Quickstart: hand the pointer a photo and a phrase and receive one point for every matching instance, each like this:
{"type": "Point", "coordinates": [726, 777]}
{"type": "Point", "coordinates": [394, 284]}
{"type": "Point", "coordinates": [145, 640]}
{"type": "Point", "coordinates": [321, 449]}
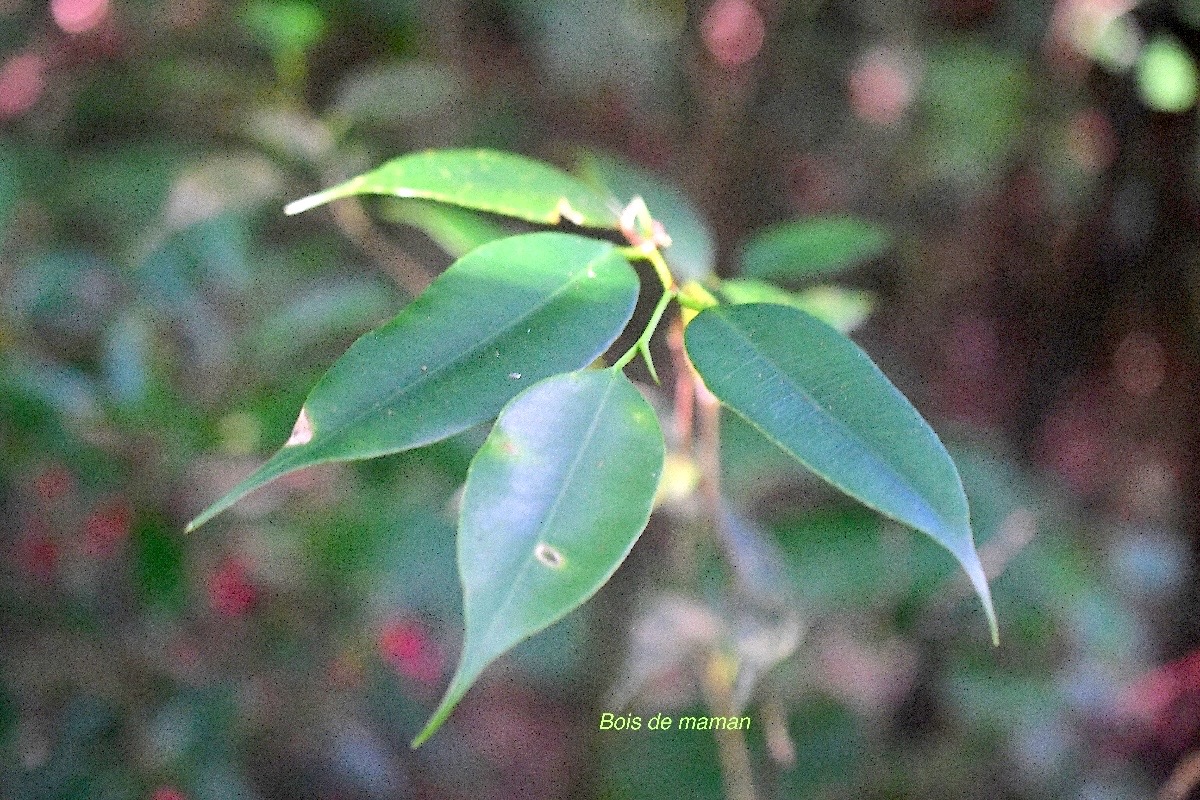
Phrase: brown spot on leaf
{"type": "Point", "coordinates": [549, 556]}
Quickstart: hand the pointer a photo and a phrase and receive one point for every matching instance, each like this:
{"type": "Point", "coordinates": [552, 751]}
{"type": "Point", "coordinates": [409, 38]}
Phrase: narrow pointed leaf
{"type": "Point", "coordinates": [499, 319]}
{"type": "Point", "coordinates": [501, 183]}
{"type": "Point", "coordinates": [554, 501]}
{"type": "Point", "coordinates": [812, 248]}
{"type": "Point", "coordinates": [819, 397]}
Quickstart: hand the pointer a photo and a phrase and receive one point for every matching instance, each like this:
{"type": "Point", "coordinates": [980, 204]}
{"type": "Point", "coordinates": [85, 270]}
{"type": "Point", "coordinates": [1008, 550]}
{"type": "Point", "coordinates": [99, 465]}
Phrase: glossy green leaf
{"type": "Point", "coordinates": [554, 501]}
{"type": "Point", "coordinates": [844, 309]}
{"type": "Point", "coordinates": [501, 183]}
{"type": "Point", "coordinates": [812, 247]}
{"type": "Point", "coordinates": [821, 398]}
{"type": "Point", "coordinates": [499, 319]}
{"type": "Point", "coordinates": [692, 254]}
{"type": "Point", "coordinates": [456, 230]}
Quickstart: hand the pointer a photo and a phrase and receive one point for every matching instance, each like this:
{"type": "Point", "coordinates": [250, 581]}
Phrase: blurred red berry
{"type": "Point", "coordinates": [230, 591]}
{"type": "Point", "coordinates": [53, 483]}
{"type": "Point", "coordinates": [167, 793]}
{"type": "Point", "coordinates": [408, 648]}
{"type": "Point", "coordinates": [38, 555]}
{"type": "Point", "coordinates": [106, 527]}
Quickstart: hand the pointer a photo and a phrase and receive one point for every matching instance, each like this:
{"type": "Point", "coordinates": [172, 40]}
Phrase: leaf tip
{"type": "Point", "coordinates": [347, 189]}
{"type": "Point", "coordinates": [974, 570]}
{"type": "Point", "coordinates": [304, 204]}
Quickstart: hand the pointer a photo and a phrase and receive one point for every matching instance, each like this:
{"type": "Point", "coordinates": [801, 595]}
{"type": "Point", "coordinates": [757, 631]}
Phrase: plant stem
{"type": "Point", "coordinates": [685, 395]}
{"type": "Point", "coordinates": [736, 770]}
{"type": "Point", "coordinates": [642, 345]}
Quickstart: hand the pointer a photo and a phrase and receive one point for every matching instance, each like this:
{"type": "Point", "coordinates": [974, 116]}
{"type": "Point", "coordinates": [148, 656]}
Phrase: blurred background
{"type": "Point", "coordinates": [1036, 165]}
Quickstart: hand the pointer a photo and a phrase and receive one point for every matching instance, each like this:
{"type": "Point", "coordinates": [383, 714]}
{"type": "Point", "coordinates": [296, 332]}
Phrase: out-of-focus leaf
{"type": "Point", "coordinates": [836, 556]}
{"type": "Point", "coordinates": [554, 501]}
{"type": "Point", "coordinates": [456, 230]}
{"type": "Point", "coordinates": [283, 26]}
{"type": "Point", "coordinates": [316, 315]}
{"type": "Point", "coordinates": [68, 390]}
{"type": "Point", "coordinates": [139, 174]}
{"type": "Point", "coordinates": [821, 399]}
{"type": "Point", "coordinates": [224, 183]}
{"type": "Point", "coordinates": [763, 613]}
{"type": "Point", "coordinates": [212, 254]}
{"type": "Point", "coordinates": [126, 357]}
{"type": "Point", "coordinates": [844, 309]}
{"type": "Point", "coordinates": [668, 633]}
{"type": "Point", "coordinates": [810, 248]}
{"type": "Point", "coordinates": [396, 93]}
{"type": "Point", "coordinates": [672, 763]}
{"type": "Point", "coordinates": [158, 561]}
{"type": "Point", "coordinates": [9, 187]}
{"type": "Point", "coordinates": [68, 292]}
{"type": "Point", "coordinates": [502, 317]}
{"type": "Point", "coordinates": [975, 100]}
{"type": "Point", "coordinates": [692, 254]}
{"type": "Point", "coordinates": [487, 180]}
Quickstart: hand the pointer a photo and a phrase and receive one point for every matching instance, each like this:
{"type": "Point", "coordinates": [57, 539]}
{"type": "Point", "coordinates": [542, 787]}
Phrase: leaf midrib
{"type": "Point", "coordinates": [491, 337]}
{"type": "Point", "coordinates": [841, 426]}
{"type": "Point", "coordinates": [553, 511]}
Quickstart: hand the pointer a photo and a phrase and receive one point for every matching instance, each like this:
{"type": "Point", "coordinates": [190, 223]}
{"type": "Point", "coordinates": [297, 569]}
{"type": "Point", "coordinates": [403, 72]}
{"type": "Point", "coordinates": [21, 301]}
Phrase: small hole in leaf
{"type": "Point", "coordinates": [549, 556]}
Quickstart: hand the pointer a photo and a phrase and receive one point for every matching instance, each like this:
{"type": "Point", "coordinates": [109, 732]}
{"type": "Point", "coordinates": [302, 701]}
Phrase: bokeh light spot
{"type": "Point", "coordinates": [733, 32]}
{"type": "Point", "coordinates": [22, 81]}
{"type": "Point", "coordinates": [78, 16]}
{"type": "Point", "coordinates": [1139, 364]}
{"type": "Point", "coordinates": [1091, 141]}
{"type": "Point", "coordinates": [881, 88]}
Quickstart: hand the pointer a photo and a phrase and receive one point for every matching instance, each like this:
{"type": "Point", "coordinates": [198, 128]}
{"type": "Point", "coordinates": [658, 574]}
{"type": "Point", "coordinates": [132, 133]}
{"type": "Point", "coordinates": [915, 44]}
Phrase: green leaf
{"type": "Point", "coordinates": [456, 230]}
{"type": "Point", "coordinates": [692, 254]}
{"type": "Point", "coordinates": [499, 319]}
{"type": "Point", "coordinates": [844, 309]}
{"type": "Point", "coordinates": [821, 398]}
{"type": "Point", "coordinates": [501, 183]}
{"type": "Point", "coordinates": [554, 501]}
{"type": "Point", "coordinates": [812, 248]}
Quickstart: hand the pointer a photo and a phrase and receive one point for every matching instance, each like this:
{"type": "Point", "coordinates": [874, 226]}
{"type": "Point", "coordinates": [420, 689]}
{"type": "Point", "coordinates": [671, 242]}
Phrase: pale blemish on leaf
{"type": "Point", "coordinates": [516, 376]}
{"type": "Point", "coordinates": [302, 431]}
{"type": "Point", "coordinates": [568, 213]}
{"type": "Point", "coordinates": [549, 556]}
